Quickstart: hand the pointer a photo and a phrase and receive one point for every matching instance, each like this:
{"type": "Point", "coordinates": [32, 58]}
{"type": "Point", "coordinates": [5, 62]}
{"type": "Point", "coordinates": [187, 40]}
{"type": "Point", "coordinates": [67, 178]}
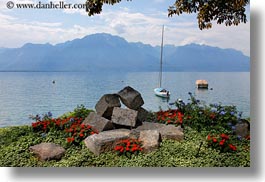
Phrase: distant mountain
{"type": "Point", "coordinates": [100, 52]}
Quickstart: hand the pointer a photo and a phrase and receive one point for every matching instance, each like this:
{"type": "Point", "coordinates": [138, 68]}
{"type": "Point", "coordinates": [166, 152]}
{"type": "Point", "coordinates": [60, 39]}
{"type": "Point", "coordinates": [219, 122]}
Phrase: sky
{"type": "Point", "coordinates": [136, 21]}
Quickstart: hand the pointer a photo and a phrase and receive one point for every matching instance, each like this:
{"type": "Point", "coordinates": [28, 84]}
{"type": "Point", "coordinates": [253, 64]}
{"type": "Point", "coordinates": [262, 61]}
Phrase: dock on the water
{"type": "Point", "coordinates": [202, 84]}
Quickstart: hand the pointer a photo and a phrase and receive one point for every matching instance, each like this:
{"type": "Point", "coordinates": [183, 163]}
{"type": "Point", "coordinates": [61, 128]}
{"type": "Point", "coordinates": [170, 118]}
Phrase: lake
{"type": "Point", "coordinates": [25, 93]}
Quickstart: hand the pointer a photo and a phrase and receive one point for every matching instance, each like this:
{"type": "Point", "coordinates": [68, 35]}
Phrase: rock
{"type": "Point", "coordinates": [131, 98]}
{"type": "Point", "coordinates": [124, 117]}
{"type": "Point", "coordinates": [135, 134]}
{"type": "Point", "coordinates": [106, 140]}
{"type": "Point", "coordinates": [242, 128]}
{"type": "Point", "coordinates": [172, 132]}
{"type": "Point", "coordinates": [106, 103]}
{"type": "Point", "coordinates": [150, 126]}
{"type": "Point", "coordinates": [97, 122]}
{"type": "Point", "coordinates": [150, 139]}
{"type": "Point", "coordinates": [142, 114]}
{"type": "Point", "coordinates": [48, 151]}
{"type": "Point", "coordinates": [166, 131]}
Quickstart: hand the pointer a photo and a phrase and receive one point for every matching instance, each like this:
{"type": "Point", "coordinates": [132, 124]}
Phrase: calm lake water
{"type": "Point", "coordinates": [25, 93]}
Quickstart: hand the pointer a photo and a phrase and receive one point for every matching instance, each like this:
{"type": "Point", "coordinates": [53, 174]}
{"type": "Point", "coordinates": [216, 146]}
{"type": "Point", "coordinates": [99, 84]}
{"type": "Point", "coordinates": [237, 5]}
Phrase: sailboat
{"type": "Point", "coordinates": [161, 92]}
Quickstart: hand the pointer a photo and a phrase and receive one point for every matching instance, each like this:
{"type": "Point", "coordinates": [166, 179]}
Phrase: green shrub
{"type": "Point", "coordinates": [81, 111]}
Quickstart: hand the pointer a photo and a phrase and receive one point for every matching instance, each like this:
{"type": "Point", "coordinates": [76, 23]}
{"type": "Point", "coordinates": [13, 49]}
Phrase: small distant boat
{"type": "Point", "coordinates": [161, 92]}
{"type": "Point", "coordinates": [53, 81]}
{"type": "Point", "coordinates": [202, 84]}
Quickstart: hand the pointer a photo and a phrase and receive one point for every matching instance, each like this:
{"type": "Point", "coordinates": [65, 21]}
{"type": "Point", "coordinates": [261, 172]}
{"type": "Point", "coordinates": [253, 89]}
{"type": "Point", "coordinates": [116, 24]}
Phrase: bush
{"type": "Point", "coordinates": [79, 112]}
{"type": "Point", "coordinates": [213, 121]}
{"type": "Point", "coordinates": [203, 117]}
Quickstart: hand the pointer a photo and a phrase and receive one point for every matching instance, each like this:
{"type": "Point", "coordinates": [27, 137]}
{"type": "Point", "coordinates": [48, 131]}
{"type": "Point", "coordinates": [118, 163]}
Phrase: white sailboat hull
{"type": "Point", "coordinates": [160, 93]}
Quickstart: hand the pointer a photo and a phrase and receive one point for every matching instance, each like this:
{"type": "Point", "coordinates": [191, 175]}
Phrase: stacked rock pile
{"type": "Point", "coordinates": [114, 123]}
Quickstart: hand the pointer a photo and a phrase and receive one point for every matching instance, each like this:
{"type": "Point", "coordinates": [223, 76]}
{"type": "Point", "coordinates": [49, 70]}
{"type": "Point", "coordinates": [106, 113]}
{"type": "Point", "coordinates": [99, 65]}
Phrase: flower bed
{"type": "Point", "coordinates": [214, 119]}
{"type": "Point", "coordinates": [72, 127]}
{"type": "Point", "coordinates": [209, 141]}
{"type": "Point", "coordinates": [128, 147]}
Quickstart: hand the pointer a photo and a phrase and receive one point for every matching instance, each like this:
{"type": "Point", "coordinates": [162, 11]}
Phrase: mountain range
{"type": "Point", "coordinates": [100, 52]}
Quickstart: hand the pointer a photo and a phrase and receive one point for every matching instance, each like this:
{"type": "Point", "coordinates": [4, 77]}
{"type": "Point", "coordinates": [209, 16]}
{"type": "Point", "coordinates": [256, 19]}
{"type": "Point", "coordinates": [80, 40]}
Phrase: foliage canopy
{"type": "Point", "coordinates": [230, 12]}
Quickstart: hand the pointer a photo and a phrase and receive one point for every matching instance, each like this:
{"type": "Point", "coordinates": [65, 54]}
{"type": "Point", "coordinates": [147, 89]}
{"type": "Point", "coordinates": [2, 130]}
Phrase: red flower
{"type": "Point", "coordinates": [214, 140]}
{"type": "Point", "coordinates": [168, 121]}
{"type": "Point", "coordinates": [222, 142]}
{"type": "Point", "coordinates": [232, 147]}
{"type": "Point", "coordinates": [118, 148]}
{"type": "Point", "coordinates": [81, 135]}
{"type": "Point", "coordinates": [224, 136]}
{"type": "Point", "coordinates": [128, 144]}
{"type": "Point", "coordinates": [122, 149]}
{"type": "Point", "coordinates": [70, 139]}
{"type": "Point", "coordinates": [82, 126]}
{"type": "Point", "coordinates": [209, 137]}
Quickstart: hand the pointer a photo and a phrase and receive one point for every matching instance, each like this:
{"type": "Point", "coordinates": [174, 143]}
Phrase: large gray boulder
{"type": "Point", "coordinates": [166, 131]}
{"type": "Point", "coordinates": [97, 122]}
{"type": "Point", "coordinates": [106, 103]}
{"type": "Point", "coordinates": [105, 141]}
{"type": "Point", "coordinates": [242, 128]}
{"type": "Point", "coordinates": [172, 132]}
{"type": "Point", "coordinates": [150, 126]}
{"type": "Point", "coordinates": [150, 140]}
{"type": "Point", "coordinates": [131, 98]}
{"type": "Point", "coordinates": [142, 114]}
{"type": "Point", "coordinates": [48, 151]}
{"type": "Point", "coordinates": [124, 117]}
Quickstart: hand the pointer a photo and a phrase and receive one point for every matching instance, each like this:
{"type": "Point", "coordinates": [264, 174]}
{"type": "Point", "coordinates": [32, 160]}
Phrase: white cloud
{"type": "Point", "coordinates": [75, 11]}
{"type": "Point", "coordinates": [6, 18]}
{"type": "Point", "coordinates": [133, 26]}
{"type": "Point", "coordinates": [46, 24]}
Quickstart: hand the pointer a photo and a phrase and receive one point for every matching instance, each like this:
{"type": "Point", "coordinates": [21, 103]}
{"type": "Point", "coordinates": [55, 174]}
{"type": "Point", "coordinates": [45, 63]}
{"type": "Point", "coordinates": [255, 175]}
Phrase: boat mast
{"type": "Point", "coordinates": [161, 57]}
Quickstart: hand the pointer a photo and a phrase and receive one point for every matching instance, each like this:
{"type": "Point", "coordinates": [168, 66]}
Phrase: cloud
{"type": "Point", "coordinates": [6, 18]}
{"type": "Point", "coordinates": [132, 25]}
{"type": "Point", "coordinates": [15, 33]}
{"type": "Point", "coordinates": [46, 24]}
